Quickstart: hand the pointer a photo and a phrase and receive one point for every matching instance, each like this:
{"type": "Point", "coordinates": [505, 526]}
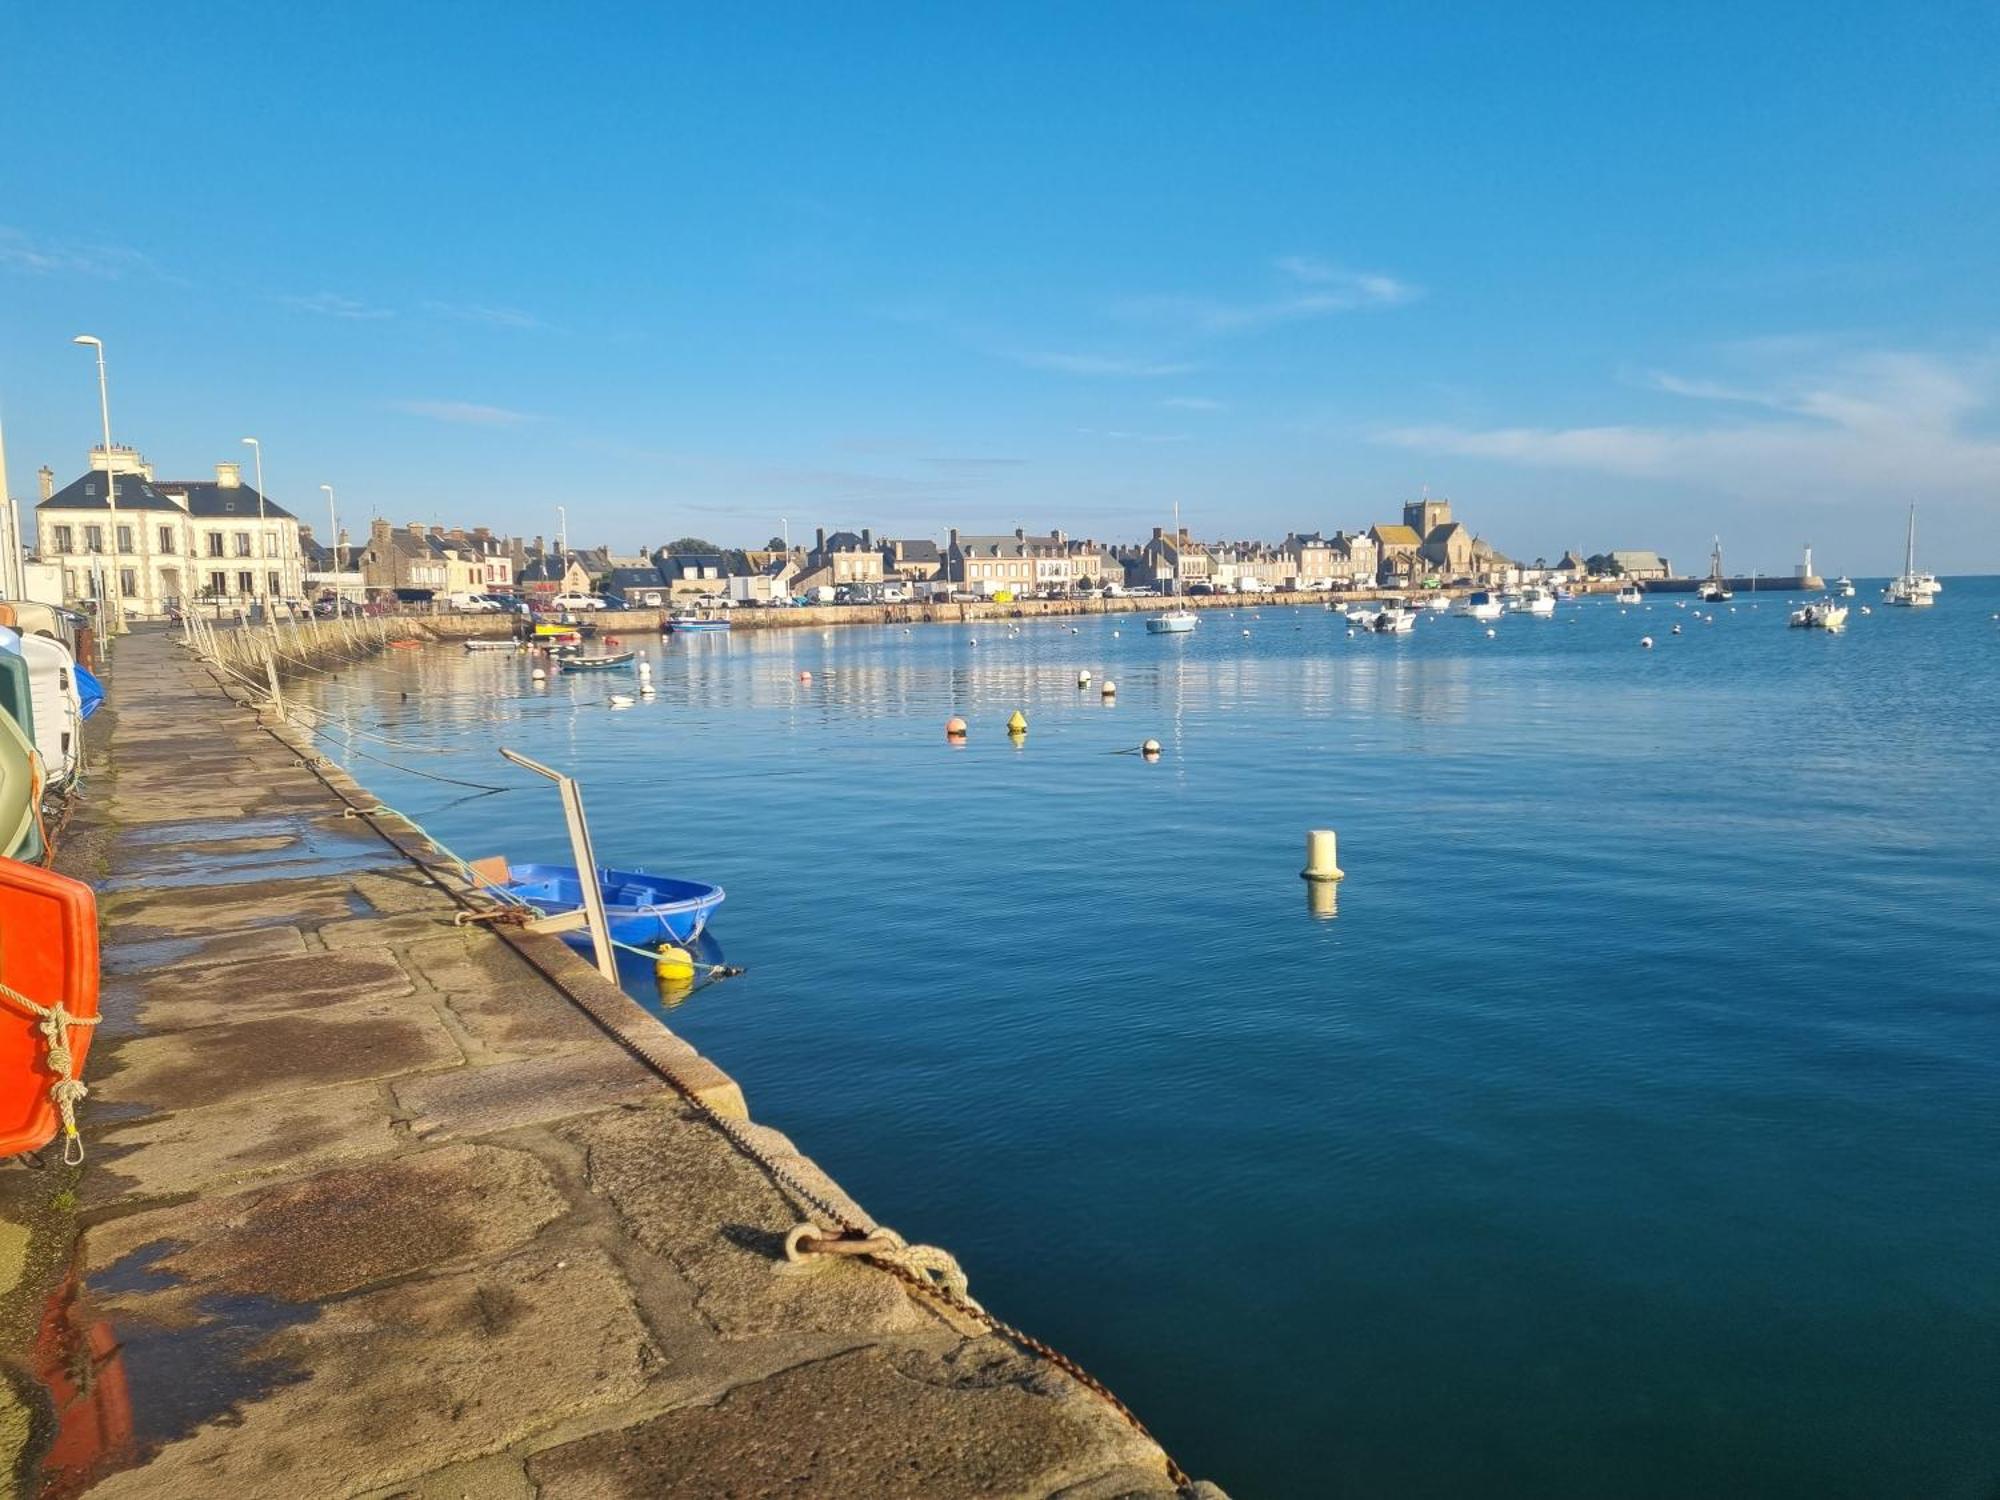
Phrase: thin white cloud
{"type": "Point", "coordinates": [334, 305]}
{"type": "Point", "coordinates": [1192, 403]}
{"type": "Point", "coordinates": [36, 256]}
{"type": "Point", "coordinates": [464, 413]}
{"type": "Point", "coordinates": [1313, 289]}
{"type": "Point", "coordinates": [1133, 437]}
{"type": "Point", "coordinates": [494, 317]}
{"type": "Point", "coordinates": [1884, 422]}
{"type": "Point", "coordinates": [1104, 365]}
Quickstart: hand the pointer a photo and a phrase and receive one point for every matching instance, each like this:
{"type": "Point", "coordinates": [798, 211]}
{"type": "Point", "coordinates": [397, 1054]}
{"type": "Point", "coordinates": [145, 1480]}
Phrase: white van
{"type": "Point", "coordinates": [477, 604]}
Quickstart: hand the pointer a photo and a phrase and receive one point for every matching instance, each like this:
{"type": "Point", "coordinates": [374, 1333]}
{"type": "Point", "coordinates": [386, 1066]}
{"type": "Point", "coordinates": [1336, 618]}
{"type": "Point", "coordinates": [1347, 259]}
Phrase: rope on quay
{"type": "Point", "coordinates": [926, 1270]}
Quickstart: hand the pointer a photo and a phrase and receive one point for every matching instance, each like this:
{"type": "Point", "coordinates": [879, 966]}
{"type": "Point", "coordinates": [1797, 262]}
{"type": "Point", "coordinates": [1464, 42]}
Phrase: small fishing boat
{"type": "Point", "coordinates": [1630, 594]}
{"type": "Point", "coordinates": [1397, 619]}
{"type": "Point", "coordinates": [1358, 614]}
{"type": "Point", "coordinates": [641, 909]}
{"type": "Point", "coordinates": [492, 645]}
{"type": "Point", "coordinates": [1437, 602]}
{"type": "Point", "coordinates": [1536, 600]}
{"type": "Point", "coordinates": [1479, 606]}
{"type": "Point", "coordinates": [596, 663]}
{"type": "Point", "coordinates": [687, 622]}
{"type": "Point", "coordinates": [1821, 614]}
{"type": "Point", "coordinates": [1844, 586]}
{"type": "Point", "coordinates": [1172, 622]}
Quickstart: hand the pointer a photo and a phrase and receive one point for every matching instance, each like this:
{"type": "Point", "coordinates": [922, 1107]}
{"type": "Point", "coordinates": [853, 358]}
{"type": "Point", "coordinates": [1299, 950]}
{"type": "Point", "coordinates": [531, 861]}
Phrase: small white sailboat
{"type": "Point", "coordinates": [1715, 590]}
{"type": "Point", "coordinates": [1911, 589]}
{"type": "Point", "coordinates": [1172, 622]}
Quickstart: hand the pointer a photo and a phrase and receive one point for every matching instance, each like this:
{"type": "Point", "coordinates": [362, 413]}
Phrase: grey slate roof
{"type": "Point", "coordinates": [206, 499]}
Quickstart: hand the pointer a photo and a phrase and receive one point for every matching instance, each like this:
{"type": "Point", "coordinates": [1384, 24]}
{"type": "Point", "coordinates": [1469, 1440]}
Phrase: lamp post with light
{"type": "Point", "coordinates": [333, 542]}
{"type": "Point", "coordinates": [115, 620]}
{"type": "Point", "coordinates": [263, 574]}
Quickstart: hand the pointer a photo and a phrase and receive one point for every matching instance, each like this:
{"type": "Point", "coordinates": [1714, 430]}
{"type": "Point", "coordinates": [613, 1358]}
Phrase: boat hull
{"type": "Point", "coordinates": [642, 909]}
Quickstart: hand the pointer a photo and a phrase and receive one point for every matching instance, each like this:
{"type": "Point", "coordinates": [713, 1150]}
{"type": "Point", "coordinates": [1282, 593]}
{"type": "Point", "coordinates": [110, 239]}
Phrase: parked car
{"type": "Point", "coordinates": [477, 604]}
{"type": "Point", "coordinates": [893, 595]}
{"type": "Point", "coordinates": [574, 602]}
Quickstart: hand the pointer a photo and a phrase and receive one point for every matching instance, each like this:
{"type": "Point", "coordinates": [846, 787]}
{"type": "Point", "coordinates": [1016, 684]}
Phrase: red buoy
{"type": "Point", "coordinates": [48, 957]}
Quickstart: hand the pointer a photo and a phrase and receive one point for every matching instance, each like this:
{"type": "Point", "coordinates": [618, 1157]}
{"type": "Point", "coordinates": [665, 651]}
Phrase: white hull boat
{"type": "Point", "coordinates": [1536, 601]}
{"type": "Point", "coordinates": [1630, 595]}
{"type": "Point", "coordinates": [1822, 614]}
{"type": "Point", "coordinates": [1173, 622]}
{"type": "Point", "coordinates": [1480, 606]}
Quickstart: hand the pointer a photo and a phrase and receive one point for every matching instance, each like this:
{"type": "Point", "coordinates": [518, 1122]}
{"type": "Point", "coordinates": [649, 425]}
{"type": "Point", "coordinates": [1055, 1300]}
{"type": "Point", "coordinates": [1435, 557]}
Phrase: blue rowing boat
{"type": "Point", "coordinates": [693, 624]}
{"type": "Point", "coordinates": [642, 909]}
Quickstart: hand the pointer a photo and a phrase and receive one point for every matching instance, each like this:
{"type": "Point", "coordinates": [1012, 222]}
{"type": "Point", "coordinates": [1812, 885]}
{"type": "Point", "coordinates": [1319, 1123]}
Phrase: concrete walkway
{"type": "Point", "coordinates": [374, 1209]}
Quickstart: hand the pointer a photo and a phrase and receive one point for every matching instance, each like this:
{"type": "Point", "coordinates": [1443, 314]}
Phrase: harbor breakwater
{"type": "Point", "coordinates": [379, 1199]}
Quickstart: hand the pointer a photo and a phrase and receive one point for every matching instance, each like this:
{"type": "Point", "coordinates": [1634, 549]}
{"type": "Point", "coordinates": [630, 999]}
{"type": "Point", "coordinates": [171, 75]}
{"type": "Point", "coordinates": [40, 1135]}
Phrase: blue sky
{"type": "Point", "coordinates": [1606, 276]}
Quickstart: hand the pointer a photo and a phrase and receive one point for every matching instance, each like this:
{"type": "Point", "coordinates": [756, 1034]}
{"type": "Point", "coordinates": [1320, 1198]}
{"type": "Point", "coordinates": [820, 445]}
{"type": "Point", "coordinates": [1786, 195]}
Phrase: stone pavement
{"type": "Point", "coordinates": [374, 1209]}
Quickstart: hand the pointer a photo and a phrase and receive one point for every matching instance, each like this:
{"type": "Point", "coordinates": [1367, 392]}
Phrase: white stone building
{"type": "Point", "coordinates": [175, 540]}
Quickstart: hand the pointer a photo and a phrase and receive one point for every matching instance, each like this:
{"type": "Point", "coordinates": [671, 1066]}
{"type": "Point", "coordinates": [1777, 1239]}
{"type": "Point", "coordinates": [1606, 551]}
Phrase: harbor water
{"type": "Point", "coordinates": [1626, 1123]}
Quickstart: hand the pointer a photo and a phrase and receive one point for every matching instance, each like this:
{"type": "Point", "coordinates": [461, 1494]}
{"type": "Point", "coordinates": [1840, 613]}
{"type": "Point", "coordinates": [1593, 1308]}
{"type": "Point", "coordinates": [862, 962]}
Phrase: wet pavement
{"type": "Point", "coordinates": [373, 1208]}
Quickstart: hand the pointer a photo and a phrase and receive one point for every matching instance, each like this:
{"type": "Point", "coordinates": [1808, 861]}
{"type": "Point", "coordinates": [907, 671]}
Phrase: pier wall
{"type": "Point", "coordinates": [381, 1203]}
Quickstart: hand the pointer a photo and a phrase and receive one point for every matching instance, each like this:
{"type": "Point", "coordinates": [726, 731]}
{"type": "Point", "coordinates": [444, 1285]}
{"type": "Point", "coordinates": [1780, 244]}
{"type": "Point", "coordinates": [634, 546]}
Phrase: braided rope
{"type": "Point", "coordinates": [66, 1091]}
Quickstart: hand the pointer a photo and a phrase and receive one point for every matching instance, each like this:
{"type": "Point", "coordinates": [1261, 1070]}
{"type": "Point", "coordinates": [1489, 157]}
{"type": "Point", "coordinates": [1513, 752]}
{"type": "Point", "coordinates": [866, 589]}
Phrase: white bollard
{"type": "Point", "coordinates": [1322, 855]}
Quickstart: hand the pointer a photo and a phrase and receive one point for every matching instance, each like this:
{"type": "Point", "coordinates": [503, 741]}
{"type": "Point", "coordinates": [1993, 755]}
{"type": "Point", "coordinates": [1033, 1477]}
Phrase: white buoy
{"type": "Point", "coordinates": [1491, 632]}
{"type": "Point", "coordinates": [539, 675]}
{"type": "Point", "coordinates": [1114, 635]}
{"type": "Point", "coordinates": [1646, 641]}
{"type": "Point", "coordinates": [1109, 690]}
{"type": "Point", "coordinates": [1677, 630]}
{"type": "Point", "coordinates": [621, 700]}
{"type": "Point", "coordinates": [1083, 679]}
{"type": "Point", "coordinates": [1322, 855]}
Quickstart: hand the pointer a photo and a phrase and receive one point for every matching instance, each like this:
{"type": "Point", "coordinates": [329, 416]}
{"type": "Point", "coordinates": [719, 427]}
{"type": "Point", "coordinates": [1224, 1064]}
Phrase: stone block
{"type": "Point", "coordinates": [273, 1054]}
{"type": "Point", "coordinates": [504, 1096]}
{"type": "Point", "coordinates": [382, 1387]}
{"type": "Point", "coordinates": [278, 1135]}
{"type": "Point", "coordinates": [890, 1425]}
{"type": "Point", "coordinates": [326, 1235]}
{"type": "Point", "coordinates": [683, 1191]}
{"type": "Point", "coordinates": [192, 997]}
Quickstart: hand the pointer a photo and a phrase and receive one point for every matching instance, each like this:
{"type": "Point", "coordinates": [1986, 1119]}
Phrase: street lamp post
{"type": "Point", "coordinates": [333, 538]}
{"type": "Point", "coordinates": [116, 619]}
{"type": "Point", "coordinates": [262, 575]}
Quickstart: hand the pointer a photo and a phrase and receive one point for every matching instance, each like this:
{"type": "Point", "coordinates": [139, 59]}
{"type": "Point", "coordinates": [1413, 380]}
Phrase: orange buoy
{"type": "Point", "coordinates": [954, 728]}
{"type": "Point", "coordinates": [48, 953]}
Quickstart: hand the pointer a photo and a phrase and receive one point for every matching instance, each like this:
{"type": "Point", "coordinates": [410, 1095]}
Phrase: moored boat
{"type": "Point", "coordinates": [596, 663]}
{"type": "Point", "coordinates": [1172, 622]}
{"type": "Point", "coordinates": [1844, 586]}
{"type": "Point", "coordinates": [687, 622]}
{"type": "Point", "coordinates": [641, 908]}
{"type": "Point", "coordinates": [1536, 600]}
{"type": "Point", "coordinates": [1480, 606]}
{"type": "Point", "coordinates": [1396, 619]}
{"type": "Point", "coordinates": [1631, 594]}
{"type": "Point", "coordinates": [1821, 614]}
{"type": "Point", "coordinates": [1911, 589]}
{"type": "Point", "coordinates": [492, 645]}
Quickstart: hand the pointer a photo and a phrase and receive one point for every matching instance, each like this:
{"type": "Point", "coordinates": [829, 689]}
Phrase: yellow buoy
{"type": "Point", "coordinates": [670, 962]}
{"type": "Point", "coordinates": [1322, 855]}
{"type": "Point", "coordinates": [1018, 724]}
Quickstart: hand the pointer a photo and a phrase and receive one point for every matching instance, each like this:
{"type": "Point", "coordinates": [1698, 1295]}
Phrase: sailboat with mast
{"type": "Point", "coordinates": [1912, 590]}
{"type": "Point", "coordinates": [1715, 590]}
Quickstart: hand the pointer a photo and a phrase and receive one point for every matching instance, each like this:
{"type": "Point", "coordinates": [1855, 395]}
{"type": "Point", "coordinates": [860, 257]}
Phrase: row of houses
{"type": "Point", "coordinates": [218, 538]}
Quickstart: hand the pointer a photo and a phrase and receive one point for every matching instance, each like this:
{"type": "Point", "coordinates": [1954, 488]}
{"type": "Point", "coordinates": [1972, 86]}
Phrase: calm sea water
{"type": "Point", "coordinates": [1632, 1129]}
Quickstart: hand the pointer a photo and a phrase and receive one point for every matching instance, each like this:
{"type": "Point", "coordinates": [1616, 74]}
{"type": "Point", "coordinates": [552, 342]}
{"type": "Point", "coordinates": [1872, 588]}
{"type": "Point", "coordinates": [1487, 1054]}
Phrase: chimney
{"type": "Point", "coordinates": [954, 537]}
{"type": "Point", "coordinates": [482, 532]}
{"type": "Point", "coordinates": [819, 539]}
{"type": "Point", "coordinates": [438, 532]}
{"type": "Point", "coordinates": [416, 529]}
{"type": "Point", "coordinates": [378, 533]}
{"type": "Point", "coordinates": [45, 477]}
{"type": "Point", "coordinates": [1159, 533]}
{"type": "Point", "coordinates": [1020, 533]}
{"type": "Point", "coordinates": [229, 476]}
{"type": "Point", "coordinates": [305, 531]}
{"type": "Point", "coordinates": [867, 540]}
